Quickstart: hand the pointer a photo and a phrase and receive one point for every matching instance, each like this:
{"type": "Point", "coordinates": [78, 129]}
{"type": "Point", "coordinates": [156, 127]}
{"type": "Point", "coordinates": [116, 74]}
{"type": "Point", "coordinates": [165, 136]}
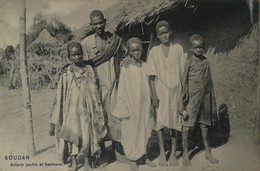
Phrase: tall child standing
{"type": "Point", "coordinates": [201, 107]}
{"type": "Point", "coordinates": [77, 117]}
{"type": "Point", "coordinates": [166, 63]}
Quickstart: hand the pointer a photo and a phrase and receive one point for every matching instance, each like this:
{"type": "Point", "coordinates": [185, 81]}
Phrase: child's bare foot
{"type": "Point", "coordinates": [173, 160]}
{"type": "Point", "coordinates": [150, 163]}
{"type": "Point", "coordinates": [162, 161]}
{"type": "Point", "coordinates": [122, 158]}
{"type": "Point", "coordinates": [70, 165]}
{"type": "Point", "coordinates": [87, 167]}
{"type": "Point", "coordinates": [73, 163]}
{"type": "Point", "coordinates": [186, 161]}
{"type": "Point", "coordinates": [210, 158]}
{"type": "Point", "coordinates": [133, 166]}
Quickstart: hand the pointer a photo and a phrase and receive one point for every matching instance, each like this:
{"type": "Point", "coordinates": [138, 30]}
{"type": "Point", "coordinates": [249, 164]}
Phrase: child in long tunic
{"type": "Point", "coordinates": [201, 106]}
{"type": "Point", "coordinates": [166, 63]}
{"type": "Point", "coordinates": [77, 116]}
{"type": "Point", "coordinates": [133, 106]}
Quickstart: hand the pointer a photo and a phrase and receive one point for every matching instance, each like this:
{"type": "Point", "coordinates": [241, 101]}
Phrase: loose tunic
{"type": "Point", "coordinates": [168, 84]}
{"type": "Point", "coordinates": [77, 111]}
{"type": "Point", "coordinates": [201, 105]}
{"type": "Point", "coordinates": [134, 109]}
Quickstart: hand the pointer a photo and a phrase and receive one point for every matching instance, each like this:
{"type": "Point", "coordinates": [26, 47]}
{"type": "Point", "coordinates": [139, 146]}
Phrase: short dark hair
{"type": "Point", "coordinates": [72, 45]}
{"type": "Point", "coordinates": [162, 23]}
{"type": "Point", "coordinates": [133, 40]}
{"type": "Point", "coordinates": [95, 13]}
{"type": "Point", "coordinates": [196, 37]}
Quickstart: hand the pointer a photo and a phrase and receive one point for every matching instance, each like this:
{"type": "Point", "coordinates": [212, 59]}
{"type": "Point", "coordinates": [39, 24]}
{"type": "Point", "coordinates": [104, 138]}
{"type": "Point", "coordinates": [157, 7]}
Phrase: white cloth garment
{"type": "Point", "coordinates": [134, 109]}
{"type": "Point", "coordinates": [168, 71]}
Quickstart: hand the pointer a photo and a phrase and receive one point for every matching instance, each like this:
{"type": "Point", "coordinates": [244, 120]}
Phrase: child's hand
{"type": "Point", "coordinates": [155, 101]}
{"type": "Point", "coordinates": [185, 115]}
{"type": "Point", "coordinates": [52, 129]}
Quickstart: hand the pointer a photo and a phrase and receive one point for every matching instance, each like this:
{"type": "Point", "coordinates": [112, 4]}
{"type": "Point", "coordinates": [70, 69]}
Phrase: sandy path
{"type": "Point", "coordinates": [242, 152]}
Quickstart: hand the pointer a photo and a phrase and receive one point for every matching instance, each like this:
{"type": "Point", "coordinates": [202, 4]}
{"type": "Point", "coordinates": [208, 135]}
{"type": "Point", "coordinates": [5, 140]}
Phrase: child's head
{"type": "Point", "coordinates": [75, 52]}
{"type": "Point", "coordinates": [10, 53]}
{"type": "Point", "coordinates": [97, 22]}
{"type": "Point", "coordinates": [134, 46]}
{"type": "Point", "coordinates": [196, 45]}
{"type": "Point", "coordinates": [163, 32]}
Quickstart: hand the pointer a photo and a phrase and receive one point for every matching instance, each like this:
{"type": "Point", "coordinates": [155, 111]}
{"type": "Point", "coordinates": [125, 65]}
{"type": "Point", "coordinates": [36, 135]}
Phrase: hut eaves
{"type": "Point", "coordinates": [128, 12]}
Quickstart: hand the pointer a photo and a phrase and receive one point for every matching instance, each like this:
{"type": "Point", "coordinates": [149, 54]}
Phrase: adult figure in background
{"type": "Point", "coordinates": [105, 50]}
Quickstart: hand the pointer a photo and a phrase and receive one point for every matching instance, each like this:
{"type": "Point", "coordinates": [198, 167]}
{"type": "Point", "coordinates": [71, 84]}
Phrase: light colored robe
{"type": "Point", "coordinates": [169, 72]}
{"type": "Point", "coordinates": [134, 109]}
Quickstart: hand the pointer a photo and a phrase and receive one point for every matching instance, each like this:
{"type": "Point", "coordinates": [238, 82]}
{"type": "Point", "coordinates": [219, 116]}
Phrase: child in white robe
{"type": "Point", "coordinates": [133, 106]}
{"type": "Point", "coordinates": [166, 62]}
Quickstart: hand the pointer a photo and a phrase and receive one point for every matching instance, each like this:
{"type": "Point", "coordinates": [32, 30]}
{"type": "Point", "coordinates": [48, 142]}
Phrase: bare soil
{"type": "Point", "coordinates": [241, 152]}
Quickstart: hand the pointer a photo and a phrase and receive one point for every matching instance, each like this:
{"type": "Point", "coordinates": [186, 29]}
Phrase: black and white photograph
{"type": "Point", "coordinates": [129, 85]}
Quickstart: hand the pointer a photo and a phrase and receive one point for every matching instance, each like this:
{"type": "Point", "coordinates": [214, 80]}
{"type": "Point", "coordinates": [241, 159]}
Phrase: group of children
{"type": "Point", "coordinates": [171, 90]}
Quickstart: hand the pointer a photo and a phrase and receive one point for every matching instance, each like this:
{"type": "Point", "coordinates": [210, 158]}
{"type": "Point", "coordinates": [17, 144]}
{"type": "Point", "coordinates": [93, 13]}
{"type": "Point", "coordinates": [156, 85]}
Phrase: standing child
{"type": "Point", "coordinates": [77, 116]}
{"type": "Point", "coordinates": [133, 106]}
{"type": "Point", "coordinates": [166, 63]}
{"type": "Point", "coordinates": [201, 107]}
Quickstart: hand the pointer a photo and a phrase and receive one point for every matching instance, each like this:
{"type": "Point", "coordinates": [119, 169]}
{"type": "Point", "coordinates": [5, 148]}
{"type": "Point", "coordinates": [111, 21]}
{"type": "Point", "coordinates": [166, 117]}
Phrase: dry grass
{"type": "Point", "coordinates": [126, 13]}
{"type": "Point", "coordinates": [234, 75]}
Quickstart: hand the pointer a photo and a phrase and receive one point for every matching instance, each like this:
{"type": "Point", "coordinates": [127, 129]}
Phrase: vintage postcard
{"type": "Point", "coordinates": [118, 85]}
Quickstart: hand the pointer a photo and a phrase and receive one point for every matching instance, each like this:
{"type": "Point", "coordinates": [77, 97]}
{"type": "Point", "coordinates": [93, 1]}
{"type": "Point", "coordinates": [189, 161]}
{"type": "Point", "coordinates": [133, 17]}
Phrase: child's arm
{"type": "Point", "coordinates": [52, 129]}
{"type": "Point", "coordinates": [155, 99]}
{"type": "Point", "coordinates": [213, 100]}
{"type": "Point", "coordinates": [184, 82]}
{"type": "Point", "coordinates": [185, 88]}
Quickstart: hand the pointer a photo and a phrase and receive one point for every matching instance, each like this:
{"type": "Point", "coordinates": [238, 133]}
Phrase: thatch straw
{"type": "Point", "coordinates": [45, 38]}
{"type": "Point", "coordinates": [128, 12]}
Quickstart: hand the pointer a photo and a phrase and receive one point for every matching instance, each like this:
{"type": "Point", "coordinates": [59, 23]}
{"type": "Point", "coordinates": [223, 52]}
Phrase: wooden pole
{"type": "Point", "coordinates": [25, 84]}
{"type": "Point", "coordinates": [150, 43]}
{"type": "Point", "coordinates": [257, 125]}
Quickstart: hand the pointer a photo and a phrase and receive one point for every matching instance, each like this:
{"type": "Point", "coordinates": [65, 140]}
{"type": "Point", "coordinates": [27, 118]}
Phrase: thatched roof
{"type": "Point", "coordinates": [45, 38]}
{"type": "Point", "coordinates": [2, 54]}
{"type": "Point", "coordinates": [128, 12]}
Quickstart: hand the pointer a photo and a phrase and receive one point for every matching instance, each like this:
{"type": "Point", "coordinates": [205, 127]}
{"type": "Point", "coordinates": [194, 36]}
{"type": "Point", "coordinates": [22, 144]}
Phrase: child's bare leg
{"type": "Point", "coordinates": [133, 166]}
{"type": "Point", "coordinates": [122, 158]}
{"type": "Point", "coordinates": [185, 160]}
{"type": "Point", "coordinates": [173, 160]}
{"type": "Point", "coordinates": [208, 156]}
{"type": "Point", "coordinates": [162, 157]}
{"type": "Point", "coordinates": [103, 147]}
{"type": "Point", "coordinates": [74, 162]}
{"type": "Point", "coordinates": [150, 163]}
{"type": "Point", "coordinates": [86, 164]}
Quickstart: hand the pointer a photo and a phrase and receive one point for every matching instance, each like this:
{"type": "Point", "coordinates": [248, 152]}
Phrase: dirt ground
{"type": "Point", "coordinates": [241, 152]}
